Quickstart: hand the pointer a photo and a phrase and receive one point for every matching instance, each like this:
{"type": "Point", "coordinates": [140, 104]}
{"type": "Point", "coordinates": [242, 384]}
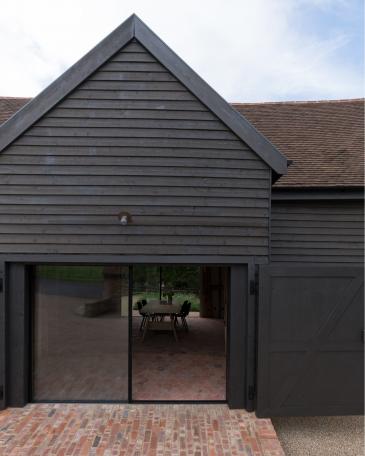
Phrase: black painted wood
{"type": "Point", "coordinates": [18, 326]}
{"type": "Point", "coordinates": [3, 385]}
{"type": "Point", "coordinates": [311, 348]}
{"type": "Point", "coordinates": [87, 258]}
{"type": "Point", "coordinates": [317, 231]}
{"type": "Point", "coordinates": [315, 194]}
{"type": "Point", "coordinates": [237, 337]}
{"type": "Point", "coordinates": [250, 364]}
{"type": "Point", "coordinates": [78, 166]}
{"type": "Point", "coordinates": [210, 98]}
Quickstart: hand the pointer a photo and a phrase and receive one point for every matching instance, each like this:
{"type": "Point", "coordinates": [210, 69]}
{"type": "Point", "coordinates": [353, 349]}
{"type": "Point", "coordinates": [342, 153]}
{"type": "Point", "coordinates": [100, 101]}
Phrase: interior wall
{"type": "Point", "coordinates": [214, 291]}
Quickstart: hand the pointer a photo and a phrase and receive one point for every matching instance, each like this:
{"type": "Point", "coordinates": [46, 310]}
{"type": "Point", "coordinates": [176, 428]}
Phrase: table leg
{"type": "Point", "coordinates": [173, 323]}
{"type": "Point", "coordinates": [145, 328]}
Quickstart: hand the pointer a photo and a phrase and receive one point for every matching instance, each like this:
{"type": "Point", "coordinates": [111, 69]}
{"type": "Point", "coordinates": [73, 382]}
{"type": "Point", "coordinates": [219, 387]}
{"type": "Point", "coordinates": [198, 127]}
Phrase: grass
{"type": "Point", "coordinates": [179, 298]}
{"type": "Point", "coordinates": [71, 273]}
{"type": "Point", "coordinates": [95, 274]}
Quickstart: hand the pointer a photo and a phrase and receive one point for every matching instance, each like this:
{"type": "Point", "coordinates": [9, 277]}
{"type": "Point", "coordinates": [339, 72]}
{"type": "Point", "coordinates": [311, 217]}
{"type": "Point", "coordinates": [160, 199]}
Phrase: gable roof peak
{"type": "Point", "coordinates": [134, 27]}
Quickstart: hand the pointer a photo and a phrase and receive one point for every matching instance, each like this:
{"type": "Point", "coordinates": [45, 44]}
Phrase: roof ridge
{"type": "Point", "coordinates": [242, 103]}
{"type": "Point", "coordinates": [341, 100]}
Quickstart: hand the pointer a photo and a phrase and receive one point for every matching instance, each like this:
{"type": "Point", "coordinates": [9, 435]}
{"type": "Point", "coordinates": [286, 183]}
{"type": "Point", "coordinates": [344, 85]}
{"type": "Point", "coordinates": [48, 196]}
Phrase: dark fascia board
{"type": "Point", "coordinates": [56, 258]}
{"type": "Point", "coordinates": [133, 27]}
{"type": "Point", "coordinates": [296, 194]}
{"type": "Point", "coordinates": [68, 81]}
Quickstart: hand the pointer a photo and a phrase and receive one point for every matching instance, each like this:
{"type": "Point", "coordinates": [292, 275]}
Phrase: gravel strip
{"type": "Point", "coordinates": [321, 435]}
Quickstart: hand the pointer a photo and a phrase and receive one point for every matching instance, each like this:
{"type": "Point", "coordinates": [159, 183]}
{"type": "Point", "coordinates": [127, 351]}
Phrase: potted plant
{"type": "Point", "coordinates": [169, 295]}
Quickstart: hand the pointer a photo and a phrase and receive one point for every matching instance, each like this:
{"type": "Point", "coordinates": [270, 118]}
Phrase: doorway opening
{"type": "Point", "coordinates": [179, 333]}
{"type": "Point", "coordinates": [111, 333]}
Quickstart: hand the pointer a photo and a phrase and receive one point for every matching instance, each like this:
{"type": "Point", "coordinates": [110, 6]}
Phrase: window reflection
{"type": "Point", "coordinates": [80, 333]}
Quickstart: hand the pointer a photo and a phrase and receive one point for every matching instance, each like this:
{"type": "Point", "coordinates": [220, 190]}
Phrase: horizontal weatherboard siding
{"type": "Point", "coordinates": [317, 232]}
{"type": "Point", "coordinates": [124, 161]}
{"type": "Point", "coordinates": [133, 138]}
{"type": "Point", "coordinates": [149, 181]}
{"type": "Point", "coordinates": [78, 217]}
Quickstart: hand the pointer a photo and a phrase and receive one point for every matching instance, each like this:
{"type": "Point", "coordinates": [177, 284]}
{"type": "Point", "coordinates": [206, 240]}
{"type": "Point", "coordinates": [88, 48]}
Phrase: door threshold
{"type": "Point", "coordinates": [126, 402]}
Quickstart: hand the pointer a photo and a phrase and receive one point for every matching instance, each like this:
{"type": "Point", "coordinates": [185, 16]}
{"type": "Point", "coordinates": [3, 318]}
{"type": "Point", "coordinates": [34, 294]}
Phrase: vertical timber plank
{"type": "Point", "coordinates": [2, 338]}
{"type": "Point", "coordinates": [251, 338]}
{"type": "Point", "coordinates": [17, 337]}
{"type": "Point", "coordinates": [237, 337]}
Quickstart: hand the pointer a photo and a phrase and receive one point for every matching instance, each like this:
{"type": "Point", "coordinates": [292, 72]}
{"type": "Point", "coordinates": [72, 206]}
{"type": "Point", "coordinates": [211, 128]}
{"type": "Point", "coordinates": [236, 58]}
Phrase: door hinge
{"type": "Point", "coordinates": [251, 392]}
{"type": "Point", "coordinates": [254, 287]}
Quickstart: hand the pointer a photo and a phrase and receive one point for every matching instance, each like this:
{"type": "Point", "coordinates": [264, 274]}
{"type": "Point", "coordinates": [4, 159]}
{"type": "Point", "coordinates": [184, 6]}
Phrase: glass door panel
{"type": "Point", "coordinates": [80, 333]}
{"type": "Point", "coordinates": [186, 360]}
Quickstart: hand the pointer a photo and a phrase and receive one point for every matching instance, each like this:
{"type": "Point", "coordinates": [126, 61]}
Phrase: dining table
{"type": "Point", "coordinates": [161, 307]}
{"type": "Point", "coordinates": [158, 308]}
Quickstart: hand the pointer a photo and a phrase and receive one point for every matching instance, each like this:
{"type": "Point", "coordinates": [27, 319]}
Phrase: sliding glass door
{"type": "Point", "coordinates": [129, 333]}
{"type": "Point", "coordinates": [80, 333]}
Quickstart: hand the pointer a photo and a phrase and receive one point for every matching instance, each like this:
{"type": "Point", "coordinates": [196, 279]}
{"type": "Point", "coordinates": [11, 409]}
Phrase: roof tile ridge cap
{"type": "Point", "coordinates": [296, 102]}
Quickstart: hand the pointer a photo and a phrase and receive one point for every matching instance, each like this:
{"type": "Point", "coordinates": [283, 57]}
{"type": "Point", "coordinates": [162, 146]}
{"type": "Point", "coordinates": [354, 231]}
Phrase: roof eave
{"type": "Point", "coordinates": [202, 90]}
{"type": "Point", "coordinates": [317, 193]}
{"type": "Point", "coordinates": [64, 84]}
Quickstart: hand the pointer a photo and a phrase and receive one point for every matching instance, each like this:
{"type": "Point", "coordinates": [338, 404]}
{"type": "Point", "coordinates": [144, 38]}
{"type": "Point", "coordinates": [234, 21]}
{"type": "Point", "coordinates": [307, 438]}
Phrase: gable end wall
{"type": "Point", "coordinates": [133, 138]}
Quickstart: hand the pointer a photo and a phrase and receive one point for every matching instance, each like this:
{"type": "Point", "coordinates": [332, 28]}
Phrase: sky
{"type": "Point", "coordinates": [247, 50]}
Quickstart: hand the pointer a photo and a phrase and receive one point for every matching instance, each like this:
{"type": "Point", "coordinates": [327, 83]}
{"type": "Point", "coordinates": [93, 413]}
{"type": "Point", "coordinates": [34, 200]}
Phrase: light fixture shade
{"type": "Point", "coordinates": [124, 218]}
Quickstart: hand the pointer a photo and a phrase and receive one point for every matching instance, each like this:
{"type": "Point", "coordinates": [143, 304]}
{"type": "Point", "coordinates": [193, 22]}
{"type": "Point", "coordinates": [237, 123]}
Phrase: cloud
{"type": "Point", "coordinates": [247, 50]}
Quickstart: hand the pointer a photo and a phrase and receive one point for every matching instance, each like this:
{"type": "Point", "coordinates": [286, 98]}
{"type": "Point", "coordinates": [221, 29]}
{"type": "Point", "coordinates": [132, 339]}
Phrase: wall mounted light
{"type": "Point", "coordinates": [124, 218]}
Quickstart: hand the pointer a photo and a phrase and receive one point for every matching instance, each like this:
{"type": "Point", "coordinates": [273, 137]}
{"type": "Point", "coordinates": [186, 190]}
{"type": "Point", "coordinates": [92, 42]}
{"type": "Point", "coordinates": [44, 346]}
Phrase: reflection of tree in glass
{"type": "Point", "coordinates": [172, 277]}
{"type": "Point", "coordinates": [181, 277]}
{"type": "Point", "coordinates": [182, 281]}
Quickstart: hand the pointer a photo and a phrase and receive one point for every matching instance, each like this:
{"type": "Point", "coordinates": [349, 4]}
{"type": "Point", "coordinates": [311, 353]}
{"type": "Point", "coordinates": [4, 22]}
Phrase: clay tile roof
{"type": "Point", "coordinates": [9, 105]}
{"type": "Point", "coordinates": [324, 139]}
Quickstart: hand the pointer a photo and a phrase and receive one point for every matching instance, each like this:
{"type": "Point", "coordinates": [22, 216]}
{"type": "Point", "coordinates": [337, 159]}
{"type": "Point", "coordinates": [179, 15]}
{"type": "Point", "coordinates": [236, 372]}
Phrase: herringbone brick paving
{"type": "Point", "coordinates": [135, 430]}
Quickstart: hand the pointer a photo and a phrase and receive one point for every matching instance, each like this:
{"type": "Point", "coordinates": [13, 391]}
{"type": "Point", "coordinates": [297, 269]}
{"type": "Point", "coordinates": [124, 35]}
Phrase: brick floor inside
{"type": "Point", "coordinates": [192, 369]}
{"type": "Point", "coordinates": [131, 430]}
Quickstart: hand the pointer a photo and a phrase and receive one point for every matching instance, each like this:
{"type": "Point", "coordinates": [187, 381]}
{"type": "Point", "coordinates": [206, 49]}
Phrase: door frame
{"type": "Point", "coordinates": [18, 369]}
{"type": "Point", "coordinates": [3, 384]}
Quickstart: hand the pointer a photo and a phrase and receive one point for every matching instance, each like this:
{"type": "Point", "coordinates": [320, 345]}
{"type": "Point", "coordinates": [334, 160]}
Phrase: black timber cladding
{"type": "Point", "coordinates": [317, 231]}
{"type": "Point", "coordinates": [132, 137]}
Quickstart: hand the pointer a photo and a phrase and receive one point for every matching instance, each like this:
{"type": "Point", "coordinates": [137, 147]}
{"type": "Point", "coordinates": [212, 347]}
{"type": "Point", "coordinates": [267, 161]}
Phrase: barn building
{"type": "Point", "coordinates": [129, 184]}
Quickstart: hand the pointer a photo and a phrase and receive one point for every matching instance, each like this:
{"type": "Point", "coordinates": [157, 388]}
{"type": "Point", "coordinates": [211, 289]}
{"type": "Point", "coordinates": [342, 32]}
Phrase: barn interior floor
{"type": "Point", "coordinates": [192, 368]}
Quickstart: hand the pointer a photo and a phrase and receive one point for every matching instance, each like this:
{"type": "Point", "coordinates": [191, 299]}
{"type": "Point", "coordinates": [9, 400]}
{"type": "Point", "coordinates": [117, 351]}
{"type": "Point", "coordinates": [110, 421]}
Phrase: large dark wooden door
{"type": "Point", "coordinates": [2, 336]}
{"type": "Point", "coordinates": [310, 341]}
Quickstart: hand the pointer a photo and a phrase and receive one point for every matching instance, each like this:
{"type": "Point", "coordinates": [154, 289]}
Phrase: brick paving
{"type": "Point", "coordinates": [135, 430]}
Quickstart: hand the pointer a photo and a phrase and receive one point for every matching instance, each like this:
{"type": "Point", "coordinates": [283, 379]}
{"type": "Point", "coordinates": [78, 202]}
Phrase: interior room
{"type": "Point", "coordinates": [179, 333]}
